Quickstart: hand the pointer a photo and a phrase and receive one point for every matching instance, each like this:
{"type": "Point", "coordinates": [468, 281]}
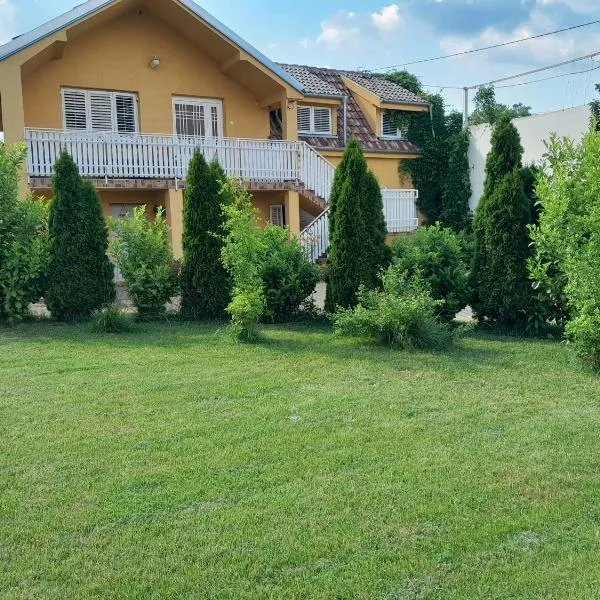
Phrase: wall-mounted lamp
{"type": "Point", "coordinates": [154, 63]}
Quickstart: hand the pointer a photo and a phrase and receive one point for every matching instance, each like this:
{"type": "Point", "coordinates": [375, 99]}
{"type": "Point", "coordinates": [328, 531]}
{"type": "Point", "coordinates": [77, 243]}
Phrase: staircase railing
{"type": "Point", "coordinates": [315, 238]}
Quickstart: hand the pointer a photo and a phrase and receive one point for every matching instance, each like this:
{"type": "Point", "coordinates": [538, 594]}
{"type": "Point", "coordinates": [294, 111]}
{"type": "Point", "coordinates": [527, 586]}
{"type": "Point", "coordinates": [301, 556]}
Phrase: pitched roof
{"type": "Point", "coordinates": [387, 91]}
{"type": "Point", "coordinates": [90, 7]}
{"type": "Point", "coordinates": [357, 124]}
{"type": "Point", "coordinates": [313, 85]}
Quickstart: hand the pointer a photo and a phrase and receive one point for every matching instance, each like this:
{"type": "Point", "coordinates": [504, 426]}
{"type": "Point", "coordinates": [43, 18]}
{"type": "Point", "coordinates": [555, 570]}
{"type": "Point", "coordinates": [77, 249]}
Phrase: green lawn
{"type": "Point", "coordinates": [173, 463]}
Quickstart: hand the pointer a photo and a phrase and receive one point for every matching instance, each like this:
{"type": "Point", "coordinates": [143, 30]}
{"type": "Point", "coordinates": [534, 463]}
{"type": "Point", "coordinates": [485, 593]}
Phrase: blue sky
{"type": "Point", "coordinates": [380, 33]}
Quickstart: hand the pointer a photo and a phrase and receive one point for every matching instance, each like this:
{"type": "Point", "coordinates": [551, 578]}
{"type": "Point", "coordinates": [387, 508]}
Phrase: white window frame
{"type": "Point", "coordinates": [400, 135]}
{"type": "Point", "coordinates": [88, 110]}
{"type": "Point", "coordinates": [312, 128]}
{"type": "Point", "coordinates": [277, 215]}
{"type": "Point", "coordinates": [207, 103]}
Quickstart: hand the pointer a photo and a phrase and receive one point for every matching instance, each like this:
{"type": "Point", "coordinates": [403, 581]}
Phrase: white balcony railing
{"type": "Point", "coordinates": [144, 156]}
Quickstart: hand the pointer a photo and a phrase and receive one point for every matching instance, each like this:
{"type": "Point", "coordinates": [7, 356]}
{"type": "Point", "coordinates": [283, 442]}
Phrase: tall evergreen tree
{"type": "Point", "coordinates": [376, 253]}
{"type": "Point", "coordinates": [80, 275]}
{"type": "Point", "coordinates": [455, 212]}
{"type": "Point", "coordinates": [338, 181]}
{"type": "Point", "coordinates": [499, 278]}
{"type": "Point", "coordinates": [205, 284]}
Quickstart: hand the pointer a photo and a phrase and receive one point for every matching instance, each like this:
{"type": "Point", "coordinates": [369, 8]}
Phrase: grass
{"type": "Point", "coordinates": [173, 463]}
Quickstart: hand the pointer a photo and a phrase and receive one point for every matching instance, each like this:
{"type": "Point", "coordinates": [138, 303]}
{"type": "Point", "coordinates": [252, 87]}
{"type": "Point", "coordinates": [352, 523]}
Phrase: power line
{"type": "Point", "coordinates": [533, 37]}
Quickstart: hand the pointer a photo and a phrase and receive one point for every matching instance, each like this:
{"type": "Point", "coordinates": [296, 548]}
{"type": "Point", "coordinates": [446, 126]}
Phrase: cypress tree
{"type": "Point", "coordinates": [455, 212]}
{"type": "Point", "coordinates": [502, 290]}
{"type": "Point", "coordinates": [376, 253]}
{"type": "Point", "coordinates": [346, 257]}
{"type": "Point", "coordinates": [80, 275]}
{"type": "Point", "coordinates": [205, 284]}
{"type": "Point", "coordinates": [339, 178]}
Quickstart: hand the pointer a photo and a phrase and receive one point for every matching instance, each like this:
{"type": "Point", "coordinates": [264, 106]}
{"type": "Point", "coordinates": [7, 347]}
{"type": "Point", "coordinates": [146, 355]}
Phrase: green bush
{"type": "Point", "coordinates": [80, 275]}
{"type": "Point", "coordinates": [567, 239]}
{"type": "Point", "coordinates": [111, 319]}
{"type": "Point", "coordinates": [144, 256]}
{"type": "Point", "coordinates": [287, 275]}
{"type": "Point", "coordinates": [242, 256]}
{"type": "Point", "coordinates": [438, 255]}
{"type": "Point", "coordinates": [205, 284]}
{"type": "Point", "coordinates": [401, 315]}
{"type": "Point", "coordinates": [23, 240]}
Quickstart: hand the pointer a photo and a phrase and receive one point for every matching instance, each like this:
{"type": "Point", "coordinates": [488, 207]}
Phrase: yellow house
{"type": "Point", "coordinates": [132, 87]}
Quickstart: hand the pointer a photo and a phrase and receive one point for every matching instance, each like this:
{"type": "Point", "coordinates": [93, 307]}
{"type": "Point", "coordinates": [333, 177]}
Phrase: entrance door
{"type": "Point", "coordinates": [197, 117]}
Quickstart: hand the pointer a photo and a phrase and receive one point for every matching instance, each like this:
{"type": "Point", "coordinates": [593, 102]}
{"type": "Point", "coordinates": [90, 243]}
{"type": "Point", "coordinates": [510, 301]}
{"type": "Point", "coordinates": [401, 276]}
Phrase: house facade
{"type": "Point", "coordinates": [132, 87]}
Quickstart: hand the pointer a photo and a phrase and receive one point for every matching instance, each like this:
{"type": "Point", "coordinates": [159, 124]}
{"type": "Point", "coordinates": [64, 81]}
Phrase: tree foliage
{"type": "Point", "coordinates": [567, 239]}
{"type": "Point", "coordinates": [502, 291]}
{"type": "Point", "coordinates": [488, 110]}
{"type": "Point", "coordinates": [23, 240]}
{"type": "Point", "coordinates": [357, 250]}
{"type": "Point", "coordinates": [205, 284]}
{"type": "Point", "coordinates": [595, 109]}
{"type": "Point", "coordinates": [437, 135]}
{"type": "Point", "coordinates": [80, 275]}
{"type": "Point", "coordinates": [144, 255]}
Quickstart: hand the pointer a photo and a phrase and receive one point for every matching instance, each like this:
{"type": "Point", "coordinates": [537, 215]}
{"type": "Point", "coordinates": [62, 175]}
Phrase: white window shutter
{"type": "Point", "coordinates": [74, 109]}
{"type": "Point", "coordinates": [304, 119]}
{"type": "Point", "coordinates": [322, 120]}
{"type": "Point", "coordinates": [125, 108]}
{"type": "Point", "coordinates": [101, 111]}
{"type": "Point", "coordinates": [389, 128]}
{"type": "Point", "coordinates": [276, 215]}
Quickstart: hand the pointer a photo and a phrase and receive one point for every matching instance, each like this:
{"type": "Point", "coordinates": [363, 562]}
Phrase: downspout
{"type": "Point", "coordinates": [345, 120]}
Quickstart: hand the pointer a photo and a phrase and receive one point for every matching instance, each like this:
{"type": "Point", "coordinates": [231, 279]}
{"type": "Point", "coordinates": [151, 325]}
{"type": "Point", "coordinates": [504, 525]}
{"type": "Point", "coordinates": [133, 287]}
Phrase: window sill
{"type": "Point", "coordinates": [320, 135]}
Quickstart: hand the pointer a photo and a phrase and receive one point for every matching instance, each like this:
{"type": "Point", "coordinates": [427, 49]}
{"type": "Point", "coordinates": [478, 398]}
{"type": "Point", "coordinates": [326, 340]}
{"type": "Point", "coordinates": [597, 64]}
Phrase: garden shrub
{"type": "Point", "coordinates": [402, 314]}
{"type": "Point", "coordinates": [437, 254]}
{"type": "Point", "coordinates": [143, 253]}
{"type": "Point", "coordinates": [242, 256]}
{"type": "Point", "coordinates": [23, 240]}
{"type": "Point", "coordinates": [205, 284]}
{"type": "Point", "coordinates": [287, 275]}
{"type": "Point", "coordinates": [567, 239]}
{"type": "Point", "coordinates": [111, 319]}
{"type": "Point", "coordinates": [80, 275]}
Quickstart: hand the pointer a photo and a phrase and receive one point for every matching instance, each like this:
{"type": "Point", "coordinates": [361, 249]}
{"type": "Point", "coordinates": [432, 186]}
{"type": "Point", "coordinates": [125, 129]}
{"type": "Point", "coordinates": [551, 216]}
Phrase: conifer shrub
{"type": "Point", "coordinates": [502, 290]}
{"type": "Point", "coordinates": [205, 283]}
{"type": "Point", "coordinates": [23, 240]}
{"type": "Point", "coordinates": [401, 315]}
{"type": "Point", "coordinates": [80, 275]}
{"type": "Point", "coordinates": [357, 250]}
{"type": "Point", "coordinates": [143, 253]}
{"type": "Point", "coordinates": [436, 253]}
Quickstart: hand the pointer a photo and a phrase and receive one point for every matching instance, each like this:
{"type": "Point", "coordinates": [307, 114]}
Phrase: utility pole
{"type": "Point", "coordinates": [466, 109]}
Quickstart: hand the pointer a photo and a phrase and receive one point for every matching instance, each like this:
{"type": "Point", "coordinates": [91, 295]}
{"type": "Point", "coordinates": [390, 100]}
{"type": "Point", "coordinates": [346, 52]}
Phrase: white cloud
{"type": "Point", "coordinates": [8, 21]}
{"type": "Point", "coordinates": [338, 30]}
{"type": "Point", "coordinates": [387, 19]}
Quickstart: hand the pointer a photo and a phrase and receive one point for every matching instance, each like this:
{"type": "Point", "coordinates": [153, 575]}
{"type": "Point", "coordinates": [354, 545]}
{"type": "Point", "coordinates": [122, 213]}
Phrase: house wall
{"type": "Point", "coordinates": [116, 56]}
{"type": "Point", "coordinates": [571, 122]}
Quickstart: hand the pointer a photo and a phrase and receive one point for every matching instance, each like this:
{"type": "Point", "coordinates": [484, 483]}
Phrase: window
{"type": "Point", "coordinates": [94, 110]}
{"type": "Point", "coordinates": [389, 126]}
{"type": "Point", "coordinates": [198, 117]}
{"type": "Point", "coordinates": [314, 120]}
{"type": "Point", "coordinates": [276, 215]}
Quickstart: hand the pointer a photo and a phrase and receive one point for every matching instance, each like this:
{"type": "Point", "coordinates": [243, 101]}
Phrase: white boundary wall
{"type": "Point", "coordinates": [570, 122]}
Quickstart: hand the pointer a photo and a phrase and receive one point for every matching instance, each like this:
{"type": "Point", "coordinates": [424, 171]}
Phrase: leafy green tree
{"type": "Point", "coordinates": [406, 80]}
{"type": "Point", "coordinates": [455, 212]}
{"type": "Point", "coordinates": [595, 108]}
{"type": "Point", "coordinates": [488, 110]}
{"type": "Point", "coordinates": [205, 284]}
{"type": "Point", "coordinates": [80, 275]}
{"type": "Point", "coordinates": [23, 240]}
{"type": "Point", "coordinates": [502, 291]}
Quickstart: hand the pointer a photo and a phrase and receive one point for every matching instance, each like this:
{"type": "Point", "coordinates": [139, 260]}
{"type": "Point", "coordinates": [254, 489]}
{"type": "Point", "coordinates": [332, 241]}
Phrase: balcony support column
{"type": "Point", "coordinates": [289, 118]}
{"type": "Point", "coordinates": [173, 203]}
{"type": "Point", "coordinates": [13, 113]}
{"type": "Point", "coordinates": [292, 211]}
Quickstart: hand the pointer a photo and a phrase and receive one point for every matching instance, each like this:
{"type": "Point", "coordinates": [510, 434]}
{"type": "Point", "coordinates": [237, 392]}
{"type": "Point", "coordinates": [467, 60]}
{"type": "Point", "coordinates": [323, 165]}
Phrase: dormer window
{"type": "Point", "coordinates": [389, 126]}
{"type": "Point", "coordinates": [314, 120]}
